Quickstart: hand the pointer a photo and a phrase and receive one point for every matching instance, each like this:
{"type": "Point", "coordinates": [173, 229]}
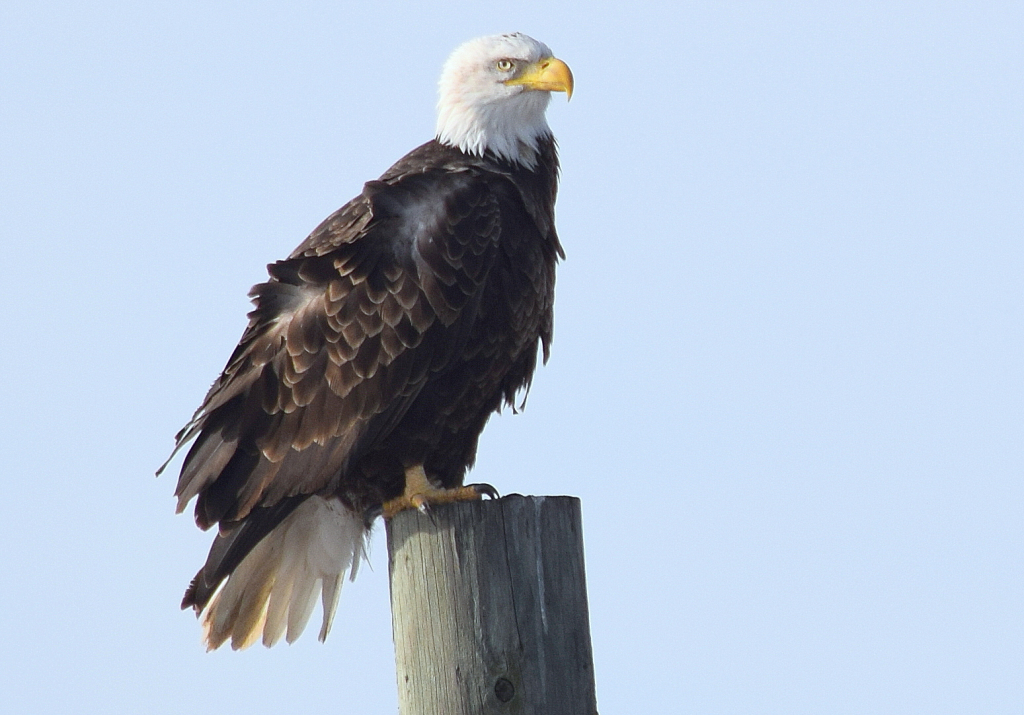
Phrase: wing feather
{"type": "Point", "coordinates": [336, 345]}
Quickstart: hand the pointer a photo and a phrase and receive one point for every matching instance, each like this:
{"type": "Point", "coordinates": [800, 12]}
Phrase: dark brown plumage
{"type": "Point", "coordinates": [385, 340]}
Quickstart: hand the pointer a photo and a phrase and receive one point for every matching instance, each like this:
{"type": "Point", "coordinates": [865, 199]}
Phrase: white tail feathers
{"type": "Point", "coordinates": [275, 588]}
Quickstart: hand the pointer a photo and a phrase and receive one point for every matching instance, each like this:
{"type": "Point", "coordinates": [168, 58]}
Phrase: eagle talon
{"type": "Point", "coordinates": [484, 490]}
{"type": "Point", "coordinates": [420, 494]}
{"type": "Point", "coordinates": [423, 506]}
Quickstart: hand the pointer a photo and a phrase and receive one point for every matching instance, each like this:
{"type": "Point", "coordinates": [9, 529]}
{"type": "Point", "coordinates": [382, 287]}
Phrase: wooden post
{"type": "Point", "coordinates": [489, 609]}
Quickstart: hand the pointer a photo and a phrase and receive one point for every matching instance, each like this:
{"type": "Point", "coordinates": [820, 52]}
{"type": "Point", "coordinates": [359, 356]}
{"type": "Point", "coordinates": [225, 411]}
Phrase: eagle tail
{"type": "Point", "coordinates": [274, 589]}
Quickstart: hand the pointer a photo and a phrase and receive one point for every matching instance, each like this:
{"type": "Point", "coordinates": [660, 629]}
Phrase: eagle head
{"type": "Point", "coordinates": [493, 94]}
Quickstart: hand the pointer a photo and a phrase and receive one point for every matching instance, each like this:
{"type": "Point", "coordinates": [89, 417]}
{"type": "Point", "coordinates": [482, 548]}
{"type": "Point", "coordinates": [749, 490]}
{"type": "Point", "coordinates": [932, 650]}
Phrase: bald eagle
{"type": "Point", "coordinates": [377, 351]}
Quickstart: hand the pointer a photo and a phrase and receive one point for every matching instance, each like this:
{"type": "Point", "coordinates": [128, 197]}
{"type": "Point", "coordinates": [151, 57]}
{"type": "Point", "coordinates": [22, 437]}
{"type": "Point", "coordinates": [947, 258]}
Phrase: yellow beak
{"type": "Point", "coordinates": [549, 74]}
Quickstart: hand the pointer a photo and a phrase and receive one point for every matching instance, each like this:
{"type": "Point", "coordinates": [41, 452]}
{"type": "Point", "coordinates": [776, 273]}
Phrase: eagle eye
{"type": "Point", "coordinates": [504, 65]}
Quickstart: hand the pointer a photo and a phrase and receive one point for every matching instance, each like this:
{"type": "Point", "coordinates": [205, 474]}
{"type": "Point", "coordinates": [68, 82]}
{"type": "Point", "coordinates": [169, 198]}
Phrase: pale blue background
{"type": "Point", "coordinates": [787, 372]}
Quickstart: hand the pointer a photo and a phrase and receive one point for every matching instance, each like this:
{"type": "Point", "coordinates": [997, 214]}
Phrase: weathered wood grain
{"type": "Point", "coordinates": [489, 609]}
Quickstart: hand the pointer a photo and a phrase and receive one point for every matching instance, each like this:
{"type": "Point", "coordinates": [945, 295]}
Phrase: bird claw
{"type": "Point", "coordinates": [484, 490]}
{"type": "Point", "coordinates": [419, 495]}
{"type": "Point", "coordinates": [431, 514]}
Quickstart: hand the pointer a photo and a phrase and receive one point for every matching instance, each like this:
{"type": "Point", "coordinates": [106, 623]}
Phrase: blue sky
{"type": "Point", "coordinates": [786, 380]}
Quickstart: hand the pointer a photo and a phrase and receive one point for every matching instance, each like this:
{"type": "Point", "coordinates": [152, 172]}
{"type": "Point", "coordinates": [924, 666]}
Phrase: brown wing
{"type": "Point", "coordinates": [342, 339]}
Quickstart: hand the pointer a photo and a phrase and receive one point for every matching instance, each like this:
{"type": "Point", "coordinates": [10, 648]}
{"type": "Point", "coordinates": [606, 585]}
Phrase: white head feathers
{"type": "Point", "coordinates": [486, 103]}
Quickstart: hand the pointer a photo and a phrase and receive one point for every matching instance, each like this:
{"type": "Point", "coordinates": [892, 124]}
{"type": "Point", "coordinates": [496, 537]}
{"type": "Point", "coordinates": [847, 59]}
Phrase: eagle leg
{"type": "Point", "coordinates": [420, 493]}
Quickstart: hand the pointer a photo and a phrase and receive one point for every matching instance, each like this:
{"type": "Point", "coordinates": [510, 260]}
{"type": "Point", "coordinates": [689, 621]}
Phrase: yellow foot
{"type": "Point", "coordinates": [420, 493]}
